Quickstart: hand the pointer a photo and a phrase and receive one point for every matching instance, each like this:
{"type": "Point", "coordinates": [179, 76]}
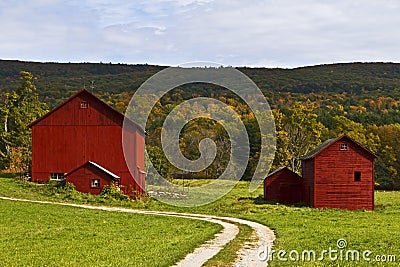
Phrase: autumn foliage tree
{"type": "Point", "coordinates": [301, 132]}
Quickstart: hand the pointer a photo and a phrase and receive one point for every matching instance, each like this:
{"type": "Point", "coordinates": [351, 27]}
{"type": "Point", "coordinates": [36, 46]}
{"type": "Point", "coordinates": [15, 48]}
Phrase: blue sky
{"type": "Point", "coordinates": [285, 33]}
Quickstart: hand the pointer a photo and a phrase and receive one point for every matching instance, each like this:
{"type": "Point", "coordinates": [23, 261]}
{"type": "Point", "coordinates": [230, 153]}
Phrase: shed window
{"type": "Point", "coordinates": [95, 182]}
{"type": "Point", "coordinates": [357, 176]}
{"type": "Point", "coordinates": [84, 104]}
{"type": "Point", "coordinates": [56, 176]}
{"type": "Point", "coordinates": [343, 146]}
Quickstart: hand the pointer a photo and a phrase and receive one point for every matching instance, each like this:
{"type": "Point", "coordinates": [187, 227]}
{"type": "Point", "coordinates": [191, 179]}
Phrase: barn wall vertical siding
{"type": "Point", "coordinates": [308, 182]}
{"type": "Point", "coordinates": [328, 177]}
{"type": "Point", "coordinates": [283, 186]}
{"type": "Point", "coordinates": [82, 179]}
{"type": "Point", "coordinates": [70, 135]}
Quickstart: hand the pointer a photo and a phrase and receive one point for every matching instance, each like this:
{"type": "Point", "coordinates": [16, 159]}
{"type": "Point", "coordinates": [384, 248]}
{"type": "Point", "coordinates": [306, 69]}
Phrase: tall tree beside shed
{"type": "Point", "coordinates": [303, 132]}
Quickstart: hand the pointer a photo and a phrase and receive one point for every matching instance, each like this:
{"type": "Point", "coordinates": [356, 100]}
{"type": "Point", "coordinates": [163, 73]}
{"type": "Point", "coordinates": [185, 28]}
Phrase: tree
{"type": "Point", "coordinates": [303, 133]}
{"type": "Point", "coordinates": [21, 107]}
{"type": "Point", "coordinates": [387, 166]}
{"type": "Point", "coordinates": [157, 158]}
{"type": "Point", "coordinates": [282, 154]}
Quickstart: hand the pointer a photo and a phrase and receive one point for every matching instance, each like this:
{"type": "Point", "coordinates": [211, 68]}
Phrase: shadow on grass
{"type": "Point", "coordinates": [259, 200]}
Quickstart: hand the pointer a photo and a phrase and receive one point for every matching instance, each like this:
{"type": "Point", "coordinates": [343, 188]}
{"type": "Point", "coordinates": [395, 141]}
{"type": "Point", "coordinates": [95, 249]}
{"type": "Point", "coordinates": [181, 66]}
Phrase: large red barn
{"type": "Point", "coordinates": [337, 174]}
{"type": "Point", "coordinates": [81, 140]}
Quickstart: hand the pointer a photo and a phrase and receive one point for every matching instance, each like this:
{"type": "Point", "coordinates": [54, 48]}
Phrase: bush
{"type": "Point", "coordinates": [113, 193]}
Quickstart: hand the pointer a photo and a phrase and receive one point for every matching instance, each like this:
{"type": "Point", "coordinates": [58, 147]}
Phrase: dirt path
{"type": "Point", "coordinates": [247, 255]}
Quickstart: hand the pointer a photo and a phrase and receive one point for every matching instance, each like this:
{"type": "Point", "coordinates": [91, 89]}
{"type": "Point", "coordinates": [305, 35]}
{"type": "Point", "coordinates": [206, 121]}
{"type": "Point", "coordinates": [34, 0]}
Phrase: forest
{"type": "Point", "coordinates": [309, 104]}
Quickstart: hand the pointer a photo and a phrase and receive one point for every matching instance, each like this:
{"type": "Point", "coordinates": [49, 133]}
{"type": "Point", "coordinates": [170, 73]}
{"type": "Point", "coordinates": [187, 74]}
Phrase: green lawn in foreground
{"type": "Point", "coordinates": [34, 234]}
{"type": "Point", "coordinates": [295, 227]}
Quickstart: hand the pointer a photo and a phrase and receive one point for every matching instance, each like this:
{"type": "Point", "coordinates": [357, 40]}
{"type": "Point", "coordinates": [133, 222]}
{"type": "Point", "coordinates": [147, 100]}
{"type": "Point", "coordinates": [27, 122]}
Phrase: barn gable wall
{"type": "Point", "coordinates": [284, 187]}
{"type": "Point", "coordinates": [82, 179]}
{"type": "Point", "coordinates": [71, 135]}
{"type": "Point", "coordinates": [71, 113]}
{"type": "Point", "coordinates": [335, 184]}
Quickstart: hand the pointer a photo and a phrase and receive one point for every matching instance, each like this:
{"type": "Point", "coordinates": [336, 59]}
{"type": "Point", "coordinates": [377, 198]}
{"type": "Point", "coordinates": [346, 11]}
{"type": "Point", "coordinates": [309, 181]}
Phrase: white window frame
{"type": "Point", "coordinates": [57, 176]}
{"type": "Point", "coordinates": [84, 104]}
{"type": "Point", "coordinates": [95, 183]}
{"type": "Point", "coordinates": [343, 146]}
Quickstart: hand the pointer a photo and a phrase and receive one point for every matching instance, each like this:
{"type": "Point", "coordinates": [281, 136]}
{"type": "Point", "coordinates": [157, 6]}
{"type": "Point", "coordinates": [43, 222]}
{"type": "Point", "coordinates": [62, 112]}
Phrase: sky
{"type": "Point", "coordinates": [269, 33]}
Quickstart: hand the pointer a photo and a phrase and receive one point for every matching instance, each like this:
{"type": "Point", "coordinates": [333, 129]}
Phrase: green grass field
{"type": "Point", "coordinates": [34, 234]}
{"type": "Point", "coordinates": [296, 228]}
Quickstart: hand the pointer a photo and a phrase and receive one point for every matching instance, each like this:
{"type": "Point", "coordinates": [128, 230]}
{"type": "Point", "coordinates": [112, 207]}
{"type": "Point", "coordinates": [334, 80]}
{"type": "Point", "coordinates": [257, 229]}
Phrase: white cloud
{"type": "Point", "coordinates": [268, 33]}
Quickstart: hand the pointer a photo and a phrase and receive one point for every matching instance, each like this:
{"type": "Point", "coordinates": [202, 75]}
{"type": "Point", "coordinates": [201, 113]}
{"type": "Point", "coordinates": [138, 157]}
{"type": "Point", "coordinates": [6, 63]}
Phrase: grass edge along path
{"type": "Point", "coordinates": [36, 234]}
{"type": "Point", "coordinates": [264, 236]}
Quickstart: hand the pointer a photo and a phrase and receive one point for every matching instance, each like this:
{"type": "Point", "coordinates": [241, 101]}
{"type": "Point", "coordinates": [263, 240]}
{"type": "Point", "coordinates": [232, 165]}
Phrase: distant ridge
{"type": "Point", "coordinates": [59, 80]}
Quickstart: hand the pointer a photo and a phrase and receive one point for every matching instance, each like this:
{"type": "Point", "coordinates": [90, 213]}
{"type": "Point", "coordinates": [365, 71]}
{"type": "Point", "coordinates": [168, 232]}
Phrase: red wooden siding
{"type": "Point", "coordinates": [308, 182]}
{"type": "Point", "coordinates": [283, 186]}
{"type": "Point", "coordinates": [70, 135]}
{"type": "Point", "coordinates": [82, 179]}
{"type": "Point", "coordinates": [328, 177]}
{"type": "Point", "coordinates": [334, 171]}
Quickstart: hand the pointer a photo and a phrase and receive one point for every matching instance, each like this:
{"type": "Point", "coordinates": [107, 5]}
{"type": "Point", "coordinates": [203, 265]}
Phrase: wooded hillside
{"type": "Point", "coordinates": [359, 99]}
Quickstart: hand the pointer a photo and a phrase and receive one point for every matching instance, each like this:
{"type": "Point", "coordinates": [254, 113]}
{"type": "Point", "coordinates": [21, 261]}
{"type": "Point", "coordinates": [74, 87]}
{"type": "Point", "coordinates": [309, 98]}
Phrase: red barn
{"type": "Point", "coordinates": [337, 174]}
{"type": "Point", "coordinates": [283, 186]}
{"type": "Point", "coordinates": [81, 140]}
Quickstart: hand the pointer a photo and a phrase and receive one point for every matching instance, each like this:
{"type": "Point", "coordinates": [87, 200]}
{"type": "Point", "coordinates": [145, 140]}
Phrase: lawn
{"type": "Point", "coordinates": [296, 228]}
{"type": "Point", "coordinates": [34, 234]}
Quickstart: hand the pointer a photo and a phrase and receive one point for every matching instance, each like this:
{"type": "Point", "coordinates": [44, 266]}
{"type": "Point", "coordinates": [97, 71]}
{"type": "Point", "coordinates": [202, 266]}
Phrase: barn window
{"type": "Point", "coordinates": [84, 104]}
{"type": "Point", "coordinates": [343, 146]}
{"type": "Point", "coordinates": [56, 176]}
{"type": "Point", "coordinates": [357, 176]}
{"type": "Point", "coordinates": [95, 182]}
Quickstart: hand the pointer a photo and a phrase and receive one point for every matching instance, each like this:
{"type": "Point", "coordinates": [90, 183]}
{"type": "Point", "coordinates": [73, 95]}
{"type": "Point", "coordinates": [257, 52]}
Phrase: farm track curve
{"type": "Point", "coordinates": [262, 236]}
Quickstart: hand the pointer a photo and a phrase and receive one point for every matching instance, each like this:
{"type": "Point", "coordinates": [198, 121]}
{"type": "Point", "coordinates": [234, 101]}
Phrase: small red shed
{"type": "Point", "coordinates": [283, 186]}
{"type": "Point", "coordinates": [90, 177]}
{"type": "Point", "coordinates": [83, 135]}
{"type": "Point", "coordinates": [339, 174]}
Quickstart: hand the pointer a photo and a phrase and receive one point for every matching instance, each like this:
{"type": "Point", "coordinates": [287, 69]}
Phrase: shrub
{"type": "Point", "coordinates": [113, 193]}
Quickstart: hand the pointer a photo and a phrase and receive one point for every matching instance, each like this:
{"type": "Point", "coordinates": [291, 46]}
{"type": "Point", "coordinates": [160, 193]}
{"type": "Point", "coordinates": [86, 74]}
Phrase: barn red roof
{"type": "Point", "coordinates": [279, 170]}
{"type": "Point", "coordinates": [276, 171]}
{"type": "Point", "coordinates": [329, 142]}
{"type": "Point", "coordinates": [113, 175]}
{"type": "Point", "coordinates": [84, 91]}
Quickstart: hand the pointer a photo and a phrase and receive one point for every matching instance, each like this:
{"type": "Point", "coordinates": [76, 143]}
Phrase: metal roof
{"type": "Point", "coordinates": [276, 171]}
{"type": "Point", "coordinates": [104, 170]}
{"type": "Point", "coordinates": [113, 175]}
{"type": "Point", "coordinates": [318, 149]}
{"type": "Point", "coordinates": [329, 142]}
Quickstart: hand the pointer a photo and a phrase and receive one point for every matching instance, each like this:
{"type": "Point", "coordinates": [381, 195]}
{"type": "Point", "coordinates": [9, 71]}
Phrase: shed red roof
{"type": "Point", "coordinates": [280, 169]}
{"type": "Point", "coordinates": [329, 142]}
{"type": "Point", "coordinates": [111, 174]}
